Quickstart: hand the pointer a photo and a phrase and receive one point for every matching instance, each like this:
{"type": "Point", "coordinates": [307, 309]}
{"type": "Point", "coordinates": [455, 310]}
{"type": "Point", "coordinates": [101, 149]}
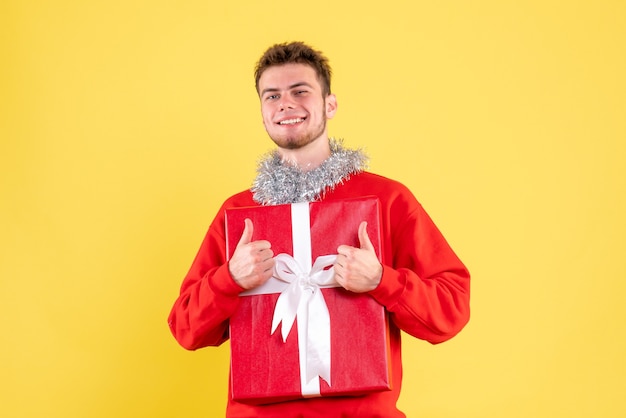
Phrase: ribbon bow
{"type": "Point", "coordinates": [303, 299]}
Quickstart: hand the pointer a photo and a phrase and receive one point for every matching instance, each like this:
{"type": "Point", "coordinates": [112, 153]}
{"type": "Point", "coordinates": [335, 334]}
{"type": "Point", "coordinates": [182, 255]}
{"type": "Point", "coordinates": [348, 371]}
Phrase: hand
{"type": "Point", "coordinates": [358, 269]}
{"type": "Point", "coordinates": [252, 263]}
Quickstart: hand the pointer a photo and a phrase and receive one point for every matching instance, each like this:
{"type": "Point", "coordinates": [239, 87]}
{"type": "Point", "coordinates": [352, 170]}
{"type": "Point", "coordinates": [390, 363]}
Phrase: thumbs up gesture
{"type": "Point", "coordinates": [358, 269]}
{"type": "Point", "coordinates": [252, 262]}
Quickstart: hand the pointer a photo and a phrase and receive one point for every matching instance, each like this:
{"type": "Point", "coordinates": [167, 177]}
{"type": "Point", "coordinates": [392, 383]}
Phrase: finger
{"type": "Point", "coordinates": [344, 250]}
{"type": "Point", "coordinates": [339, 274]}
{"type": "Point", "coordinates": [338, 279]}
{"type": "Point", "coordinates": [266, 253]}
{"type": "Point", "coordinates": [339, 261]}
{"type": "Point", "coordinates": [364, 239]}
{"type": "Point", "coordinates": [246, 236]}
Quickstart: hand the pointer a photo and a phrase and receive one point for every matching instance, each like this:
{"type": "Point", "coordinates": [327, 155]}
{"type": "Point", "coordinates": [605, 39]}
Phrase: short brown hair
{"type": "Point", "coordinates": [295, 53]}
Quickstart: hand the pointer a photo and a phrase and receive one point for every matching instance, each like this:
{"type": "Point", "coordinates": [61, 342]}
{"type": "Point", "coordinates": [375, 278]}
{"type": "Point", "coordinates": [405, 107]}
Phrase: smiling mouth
{"type": "Point", "coordinates": [291, 121]}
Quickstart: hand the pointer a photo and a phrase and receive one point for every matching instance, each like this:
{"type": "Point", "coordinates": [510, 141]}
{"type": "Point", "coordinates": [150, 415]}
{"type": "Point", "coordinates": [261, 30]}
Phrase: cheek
{"type": "Point", "coordinates": [266, 116]}
{"type": "Point", "coordinates": [266, 124]}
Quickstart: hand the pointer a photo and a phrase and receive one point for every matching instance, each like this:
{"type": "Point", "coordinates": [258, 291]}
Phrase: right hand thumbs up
{"type": "Point", "coordinates": [252, 263]}
{"type": "Point", "coordinates": [246, 236]}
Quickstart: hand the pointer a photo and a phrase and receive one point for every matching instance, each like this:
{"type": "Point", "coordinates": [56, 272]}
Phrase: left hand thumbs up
{"type": "Point", "coordinates": [358, 269]}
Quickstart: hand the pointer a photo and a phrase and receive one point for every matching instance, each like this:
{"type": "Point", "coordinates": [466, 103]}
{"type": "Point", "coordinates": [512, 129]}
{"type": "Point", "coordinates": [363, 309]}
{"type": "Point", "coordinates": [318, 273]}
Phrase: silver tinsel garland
{"type": "Point", "coordinates": [278, 182]}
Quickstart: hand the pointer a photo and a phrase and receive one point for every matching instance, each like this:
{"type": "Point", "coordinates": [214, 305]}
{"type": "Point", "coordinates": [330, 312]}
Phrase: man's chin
{"type": "Point", "coordinates": [291, 143]}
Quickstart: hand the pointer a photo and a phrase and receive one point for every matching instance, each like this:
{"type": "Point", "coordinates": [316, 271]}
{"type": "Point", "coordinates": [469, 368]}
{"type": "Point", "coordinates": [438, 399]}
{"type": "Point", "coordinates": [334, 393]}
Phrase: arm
{"type": "Point", "coordinates": [208, 295]}
{"type": "Point", "coordinates": [425, 286]}
{"type": "Point", "coordinates": [210, 292]}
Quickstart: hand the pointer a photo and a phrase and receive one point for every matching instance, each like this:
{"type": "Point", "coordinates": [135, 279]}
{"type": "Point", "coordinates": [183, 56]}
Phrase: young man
{"type": "Point", "coordinates": [420, 282]}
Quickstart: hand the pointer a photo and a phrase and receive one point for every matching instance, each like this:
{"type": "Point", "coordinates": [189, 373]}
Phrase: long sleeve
{"type": "Point", "coordinates": [424, 286]}
{"type": "Point", "coordinates": [208, 295]}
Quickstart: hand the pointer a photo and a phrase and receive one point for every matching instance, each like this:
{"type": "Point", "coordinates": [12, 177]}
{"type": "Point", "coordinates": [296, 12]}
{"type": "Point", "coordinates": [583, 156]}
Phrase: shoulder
{"type": "Point", "coordinates": [240, 199]}
{"type": "Point", "coordinates": [373, 178]}
{"type": "Point", "coordinates": [394, 196]}
{"type": "Point", "coordinates": [380, 185]}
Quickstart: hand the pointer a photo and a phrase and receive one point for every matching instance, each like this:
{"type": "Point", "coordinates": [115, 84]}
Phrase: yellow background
{"type": "Point", "coordinates": [124, 125]}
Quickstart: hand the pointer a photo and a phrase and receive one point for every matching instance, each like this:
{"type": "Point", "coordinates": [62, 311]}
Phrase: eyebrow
{"type": "Point", "coordinates": [293, 86]}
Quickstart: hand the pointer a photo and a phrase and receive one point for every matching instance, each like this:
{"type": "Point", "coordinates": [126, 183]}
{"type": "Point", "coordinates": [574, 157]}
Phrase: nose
{"type": "Point", "coordinates": [285, 103]}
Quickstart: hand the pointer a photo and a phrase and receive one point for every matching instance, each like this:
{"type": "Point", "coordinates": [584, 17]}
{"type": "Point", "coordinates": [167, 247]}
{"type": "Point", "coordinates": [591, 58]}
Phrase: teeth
{"type": "Point", "coordinates": [291, 121]}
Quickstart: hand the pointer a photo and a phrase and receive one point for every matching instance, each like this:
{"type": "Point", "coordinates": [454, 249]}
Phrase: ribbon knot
{"type": "Point", "coordinates": [303, 299]}
{"type": "Point", "coordinates": [305, 282]}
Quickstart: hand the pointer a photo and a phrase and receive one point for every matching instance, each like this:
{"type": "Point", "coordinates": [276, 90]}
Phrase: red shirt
{"type": "Point", "coordinates": [424, 287]}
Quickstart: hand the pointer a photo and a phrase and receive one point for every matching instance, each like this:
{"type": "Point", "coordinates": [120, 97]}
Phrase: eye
{"type": "Point", "coordinates": [272, 97]}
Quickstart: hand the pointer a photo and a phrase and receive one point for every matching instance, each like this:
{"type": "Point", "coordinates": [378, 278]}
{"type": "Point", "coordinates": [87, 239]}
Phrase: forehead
{"type": "Point", "coordinates": [283, 76]}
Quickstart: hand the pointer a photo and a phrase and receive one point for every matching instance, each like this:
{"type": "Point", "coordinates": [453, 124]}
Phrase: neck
{"type": "Point", "coordinates": [308, 157]}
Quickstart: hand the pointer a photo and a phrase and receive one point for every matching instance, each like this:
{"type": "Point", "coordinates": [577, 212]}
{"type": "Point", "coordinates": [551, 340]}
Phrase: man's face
{"type": "Point", "coordinates": [292, 105]}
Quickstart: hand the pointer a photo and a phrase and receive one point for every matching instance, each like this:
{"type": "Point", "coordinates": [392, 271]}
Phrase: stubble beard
{"type": "Point", "coordinates": [297, 142]}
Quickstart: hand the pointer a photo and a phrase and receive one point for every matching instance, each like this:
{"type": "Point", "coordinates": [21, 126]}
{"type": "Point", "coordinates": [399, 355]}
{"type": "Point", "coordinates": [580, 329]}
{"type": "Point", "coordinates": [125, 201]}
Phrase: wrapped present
{"type": "Point", "coordinates": [300, 334]}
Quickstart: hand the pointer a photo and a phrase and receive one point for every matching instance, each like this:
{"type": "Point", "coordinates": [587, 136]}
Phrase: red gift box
{"type": "Point", "coordinates": [338, 343]}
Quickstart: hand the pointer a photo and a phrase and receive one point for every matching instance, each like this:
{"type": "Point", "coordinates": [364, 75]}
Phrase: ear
{"type": "Point", "coordinates": [331, 106]}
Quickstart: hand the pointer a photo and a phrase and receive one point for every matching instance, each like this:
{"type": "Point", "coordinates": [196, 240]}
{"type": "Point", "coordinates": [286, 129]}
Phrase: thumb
{"type": "Point", "coordinates": [246, 235]}
{"type": "Point", "coordinates": [364, 239]}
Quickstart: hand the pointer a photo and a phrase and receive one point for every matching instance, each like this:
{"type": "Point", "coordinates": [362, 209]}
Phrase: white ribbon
{"type": "Point", "coordinates": [303, 299]}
